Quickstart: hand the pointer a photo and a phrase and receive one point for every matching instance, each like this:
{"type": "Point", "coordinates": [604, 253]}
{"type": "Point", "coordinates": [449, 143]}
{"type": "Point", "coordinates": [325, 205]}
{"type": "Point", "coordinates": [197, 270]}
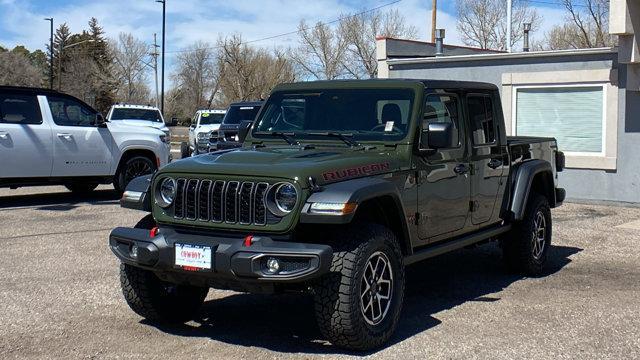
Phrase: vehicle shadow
{"type": "Point", "coordinates": [285, 323]}
{"type": "Point", "coordinates": [59, 201]}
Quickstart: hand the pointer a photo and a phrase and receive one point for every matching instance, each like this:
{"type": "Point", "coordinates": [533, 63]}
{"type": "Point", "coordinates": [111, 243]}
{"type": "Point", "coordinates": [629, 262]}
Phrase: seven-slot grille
{"type": "Point", "coordinates": [221, 201]}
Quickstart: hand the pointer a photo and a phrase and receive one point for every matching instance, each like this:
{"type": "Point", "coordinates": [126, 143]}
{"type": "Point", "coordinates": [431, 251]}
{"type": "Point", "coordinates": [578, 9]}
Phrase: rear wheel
{"type": "Point", "coordinates": [358, 303]}
{"type": "Point", "coordinates": [131, 169]}
{"type": "Point", "coordinates": [526, 246]}
{"type": "Point", "coordinates": [81, 187]}
{"type": "Point", "coordinates": [157, 300]}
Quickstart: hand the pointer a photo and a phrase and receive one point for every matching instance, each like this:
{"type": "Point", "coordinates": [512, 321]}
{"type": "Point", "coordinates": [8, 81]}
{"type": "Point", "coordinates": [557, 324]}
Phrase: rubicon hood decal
{"type": "Point", "coordinates": [357, 171]}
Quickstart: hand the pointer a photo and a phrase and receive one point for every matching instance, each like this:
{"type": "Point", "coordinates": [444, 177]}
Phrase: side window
{"type": "Point", "coordinates": [442, 108]}
{"type": "Point", "coordinates": [19, 109]}
{"type": "Point", "coordinates": [481, 118]}
{"type": "Point", "coordinates": [67, 112]}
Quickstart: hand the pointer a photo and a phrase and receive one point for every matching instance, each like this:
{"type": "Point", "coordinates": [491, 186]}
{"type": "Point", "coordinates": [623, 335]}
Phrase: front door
{"type": "Point", "coordinates": [25, 139]}
{"type": "Point", "coordinates": [80, 147]}
{"type": "Point", "coordinates": [443, 177]}
{"type": "Point", "coordinates": [486, 157]}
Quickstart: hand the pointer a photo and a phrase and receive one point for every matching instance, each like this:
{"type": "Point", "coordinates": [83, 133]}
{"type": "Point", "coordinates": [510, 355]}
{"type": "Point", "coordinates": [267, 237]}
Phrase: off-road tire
{"type": "Point", "coordinates": [81, 187]}
{"type": "Point", "coordinates": [154, 299]}
{"type": "Point", "coordinates": [337, 294]}
{"type": "Point", "coordinates": [121, 179]}
{"type": "Point", "coordinates": [159, 301]}
{"type": "Point", "coordinates": [517, 246]}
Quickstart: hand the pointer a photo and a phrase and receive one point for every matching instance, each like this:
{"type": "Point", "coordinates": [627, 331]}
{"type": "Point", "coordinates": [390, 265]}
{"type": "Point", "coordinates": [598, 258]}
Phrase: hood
{"type": "Point", "coordinates": [133, 122]}
{"type": "Point", "coordinates": [324, 164]}
{"type": "Point", "coordinates": [123, 126]}
{"type": "Point", "coordinates": [207, 128]}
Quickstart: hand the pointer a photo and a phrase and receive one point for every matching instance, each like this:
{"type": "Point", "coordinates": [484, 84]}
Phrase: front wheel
{"type": "Point", "coordinates": [157, 300]}
{"type": "Point", "coordinates": [358, 302]}
{"type": "Point", "coordinates": [131, 169]}
{"type": "Point", "coordinates": [526, 246]}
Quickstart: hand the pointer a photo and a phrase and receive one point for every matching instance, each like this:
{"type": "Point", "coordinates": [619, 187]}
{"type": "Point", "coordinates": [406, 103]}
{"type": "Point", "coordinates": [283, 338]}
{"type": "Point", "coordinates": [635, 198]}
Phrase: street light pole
{"type": "Point", "coordinates": [50, 54]}
{"type": "Point", "coordinates": [164, 11]}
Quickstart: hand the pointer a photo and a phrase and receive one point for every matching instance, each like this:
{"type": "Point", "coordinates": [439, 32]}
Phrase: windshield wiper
{"type": "Point", "coordinates": [344, 137]}
{"type": "Point", "coordinates": [287, 136]}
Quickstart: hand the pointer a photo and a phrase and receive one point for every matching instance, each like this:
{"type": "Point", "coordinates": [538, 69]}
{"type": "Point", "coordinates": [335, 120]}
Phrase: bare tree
{"type": "Point", "coordinates": [129, 55]}
{"type": "Point", "coordinates": [483, 23]}
{"type": "Point", "coordinates": [248, 73]}
{"type": "Point", "coordinates": [360, 32]}
{"type": "Point", "coordinates": [17, 70]}
{"type": "Point", "coordinates": [196, 76]}
{"type": "Point", "coordinates": [587, 26]}
{"type": "Point", "coordinates": [321, 53]}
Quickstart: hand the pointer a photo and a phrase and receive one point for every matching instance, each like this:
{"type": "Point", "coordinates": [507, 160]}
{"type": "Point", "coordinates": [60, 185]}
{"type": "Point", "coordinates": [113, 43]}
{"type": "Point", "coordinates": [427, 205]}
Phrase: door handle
{"type": "Point", "coordinates": [461, 169]}
{"type": "Point", "coordinates": [494, 163]}
{"type": "Point", "coordinates": [4, 135]}
{"type": "Point", "coordinates": [65, 136]}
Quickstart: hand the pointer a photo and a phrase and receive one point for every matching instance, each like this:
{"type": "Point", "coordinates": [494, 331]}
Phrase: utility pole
{"type": "Point", "coordinates": [434, 11]}
{"type": "Point", "coordinates": [50, 54]}
{"type": "Point", "coordinates": [164, 11]}
{"type": "Point", "coordinates": [155, 63]}
{"type": "Point", "coordinates": [508, 25]}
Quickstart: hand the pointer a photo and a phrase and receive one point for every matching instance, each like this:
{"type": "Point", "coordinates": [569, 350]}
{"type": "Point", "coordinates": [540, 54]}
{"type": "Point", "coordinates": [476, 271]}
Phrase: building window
{"type": "Point", "coordinates": [574, 115]}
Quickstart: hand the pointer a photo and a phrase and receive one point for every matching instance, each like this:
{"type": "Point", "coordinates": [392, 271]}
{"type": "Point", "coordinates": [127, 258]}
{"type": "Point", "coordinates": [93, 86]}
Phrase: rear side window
{"type": "Point", "coordinates": [480, 109]}
{"type": "Point", "coordinates": [19, 109]}
{"type": "Point", "coordinates": [68, 112]}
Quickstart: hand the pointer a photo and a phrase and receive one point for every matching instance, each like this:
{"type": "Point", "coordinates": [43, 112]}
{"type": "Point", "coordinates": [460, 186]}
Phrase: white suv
{"type": "Point", "coordinates": [202, 124]}
{"type": "Point", "coordinates": [50, 138]}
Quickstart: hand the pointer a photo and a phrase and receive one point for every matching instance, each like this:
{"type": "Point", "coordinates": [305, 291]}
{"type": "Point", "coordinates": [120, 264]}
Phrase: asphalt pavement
{"type": "Point", "coordinates": [60, 295]}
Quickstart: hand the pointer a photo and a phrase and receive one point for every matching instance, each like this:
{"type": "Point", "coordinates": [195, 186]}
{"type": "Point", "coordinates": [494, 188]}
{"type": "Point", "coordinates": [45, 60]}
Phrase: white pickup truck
{"type": "Point", "coordinates": [203, 123]}
{"type": "Point", "coordinates": [50, 138]}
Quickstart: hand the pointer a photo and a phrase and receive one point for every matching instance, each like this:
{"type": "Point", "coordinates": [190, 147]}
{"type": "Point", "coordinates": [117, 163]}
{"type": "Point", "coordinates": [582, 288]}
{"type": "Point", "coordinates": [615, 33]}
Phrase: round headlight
{"type": "Point", "coordinates": [167, 192]}
{"type": "Point", "coordinates": [286, 197]}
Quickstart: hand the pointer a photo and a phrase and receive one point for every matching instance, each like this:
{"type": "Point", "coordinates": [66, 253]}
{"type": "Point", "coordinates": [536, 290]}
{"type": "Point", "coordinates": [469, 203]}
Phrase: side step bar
{"type": "Point", "coordinates": [444, 247]}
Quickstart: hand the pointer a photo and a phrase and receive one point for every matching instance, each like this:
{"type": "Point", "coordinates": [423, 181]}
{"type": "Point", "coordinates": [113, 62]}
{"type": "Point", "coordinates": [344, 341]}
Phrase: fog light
{"type": "Point", "coordinates": [134, 251]}
{"type": "Point", "coordinates": [273, 265]}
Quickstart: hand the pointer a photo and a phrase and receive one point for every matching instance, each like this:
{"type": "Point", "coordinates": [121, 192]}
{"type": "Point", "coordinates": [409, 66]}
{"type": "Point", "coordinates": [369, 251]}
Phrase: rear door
{"type": "Point", "coordinates": [487, 156]}
{"type": "Point", "coordinates": [443, 186]}
{"type": "Point", "coordinates": [25, 138]}
{"type": "Point", "coordinates": [81, 148]}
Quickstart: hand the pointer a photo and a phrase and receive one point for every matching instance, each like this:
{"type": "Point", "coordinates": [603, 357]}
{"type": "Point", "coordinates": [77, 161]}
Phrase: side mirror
{"type": "Point", "coordinates": [174, 122]}
{"type": "Point", "coordinates": [440, 135]}
{"type": "Point", "coordinates": [243, 130]}
{"type": "Point", "coordinates": [193, 126]}
{"type": "Point", "coordinates": [100, 121]}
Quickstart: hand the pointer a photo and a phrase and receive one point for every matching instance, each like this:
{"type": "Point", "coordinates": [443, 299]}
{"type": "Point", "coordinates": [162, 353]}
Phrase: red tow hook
{"type": "Point", "coordinates": [248, 240]}
{"type": "Point", "coordinates": [154, 231]}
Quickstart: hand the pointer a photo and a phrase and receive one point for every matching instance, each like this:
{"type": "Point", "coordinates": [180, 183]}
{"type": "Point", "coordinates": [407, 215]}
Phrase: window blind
{"type": "Point", "coordinates": [573, 115]}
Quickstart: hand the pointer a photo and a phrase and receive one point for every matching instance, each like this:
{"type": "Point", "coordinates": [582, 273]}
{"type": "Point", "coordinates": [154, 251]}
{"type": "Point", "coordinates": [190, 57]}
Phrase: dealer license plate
{"type": "Point", "coordinates": [193, 256]}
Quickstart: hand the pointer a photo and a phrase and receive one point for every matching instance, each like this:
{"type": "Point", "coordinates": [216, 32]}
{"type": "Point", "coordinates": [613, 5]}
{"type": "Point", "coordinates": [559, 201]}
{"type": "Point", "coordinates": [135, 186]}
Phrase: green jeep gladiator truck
{"type": "Point", "coordinates": [338, 186]}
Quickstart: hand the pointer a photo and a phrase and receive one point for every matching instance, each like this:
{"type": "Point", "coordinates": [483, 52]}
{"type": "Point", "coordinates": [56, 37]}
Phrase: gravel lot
{"type": "Point", "coordinates": [61, 298]}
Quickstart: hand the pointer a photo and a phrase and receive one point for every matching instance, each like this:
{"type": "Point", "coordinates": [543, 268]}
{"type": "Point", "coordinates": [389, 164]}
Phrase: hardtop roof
{"type": "Point", "coordinates": [372, 83]}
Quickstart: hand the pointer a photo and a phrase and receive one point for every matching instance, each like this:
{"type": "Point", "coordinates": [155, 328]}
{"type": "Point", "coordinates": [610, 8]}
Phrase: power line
{"type": "Point", "coordinates": [295, 31]}
{"type": "Point", "coordinates": [550, 2]}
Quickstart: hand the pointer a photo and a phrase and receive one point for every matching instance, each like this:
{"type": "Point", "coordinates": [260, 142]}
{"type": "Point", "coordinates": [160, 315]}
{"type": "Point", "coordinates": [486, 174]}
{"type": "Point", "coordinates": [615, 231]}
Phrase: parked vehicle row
{"type": "Point", "coordinates": [339, 185]}
{"type": "Point", "coordinates": [48, 138]}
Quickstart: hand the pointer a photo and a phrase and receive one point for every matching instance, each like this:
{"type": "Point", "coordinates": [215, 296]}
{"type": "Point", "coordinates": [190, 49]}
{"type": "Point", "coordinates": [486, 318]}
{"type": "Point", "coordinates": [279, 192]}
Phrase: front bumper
{"type": "Point", "coordinates": [231, 259]}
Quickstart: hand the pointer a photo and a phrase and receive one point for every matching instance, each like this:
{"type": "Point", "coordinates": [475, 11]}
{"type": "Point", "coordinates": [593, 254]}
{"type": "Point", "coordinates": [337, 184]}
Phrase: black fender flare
{"type": "Point", "coordinates": [353, 191]}
{"type": "Point", "coordinates": [523, 181]}
{"type": "Point", "coordinates": [137, 196]}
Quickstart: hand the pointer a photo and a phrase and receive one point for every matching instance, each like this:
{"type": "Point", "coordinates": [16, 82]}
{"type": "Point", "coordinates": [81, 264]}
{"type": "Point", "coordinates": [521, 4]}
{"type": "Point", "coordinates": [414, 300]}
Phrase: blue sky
{"type": "Point", "coordinates": [21, 21]}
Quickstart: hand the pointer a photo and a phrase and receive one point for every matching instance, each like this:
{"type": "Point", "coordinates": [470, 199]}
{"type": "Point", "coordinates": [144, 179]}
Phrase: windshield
{"type": "Point", "coordinates": [136, 114]}
{"type": "Point", "coordinates": [210, 118]}
{"type": "Point", "coordinates": [238, 114]}
{"type": "Point", "coordinates": [365, 114]}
